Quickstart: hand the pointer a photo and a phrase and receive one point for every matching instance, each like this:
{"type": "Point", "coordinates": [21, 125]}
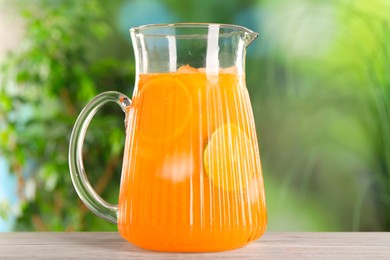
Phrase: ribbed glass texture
{"type": "Point", "coordinates": [191, 178]}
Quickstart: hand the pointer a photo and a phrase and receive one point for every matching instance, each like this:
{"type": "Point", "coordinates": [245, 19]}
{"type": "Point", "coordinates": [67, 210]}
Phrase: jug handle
{"type": "Point", "coordinates": [80, 181]}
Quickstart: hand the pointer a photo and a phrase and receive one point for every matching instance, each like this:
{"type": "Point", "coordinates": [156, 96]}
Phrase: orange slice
{"type": "Point", "coordinates": [187, 69]}
{"type": "Point", "coordinates": [165, 108]}
{"type": "Point", "coordinates": [228, 158]}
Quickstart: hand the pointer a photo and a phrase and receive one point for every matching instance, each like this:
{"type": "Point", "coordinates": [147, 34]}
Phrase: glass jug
{"type": "Point", "coordinates": [191, 175]}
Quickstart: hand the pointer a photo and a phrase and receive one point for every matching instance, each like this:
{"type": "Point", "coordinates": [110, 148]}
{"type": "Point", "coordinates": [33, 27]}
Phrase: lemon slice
{"type": "Point", "coordinates": [165, 108]}
{"type": "Point", "coordinates": [228, 158]}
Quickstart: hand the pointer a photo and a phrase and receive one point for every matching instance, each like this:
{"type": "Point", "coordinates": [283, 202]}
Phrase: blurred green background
{"type": "Point", "coordinates": [318, 76]}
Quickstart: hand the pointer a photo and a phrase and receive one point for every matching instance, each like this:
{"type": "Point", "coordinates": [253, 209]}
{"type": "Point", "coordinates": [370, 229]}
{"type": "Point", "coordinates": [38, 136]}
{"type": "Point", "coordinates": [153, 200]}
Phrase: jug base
{"type": "Point", "coordinates": [188, 248]}
{"type": "Point", "coordinates": [191, 243]}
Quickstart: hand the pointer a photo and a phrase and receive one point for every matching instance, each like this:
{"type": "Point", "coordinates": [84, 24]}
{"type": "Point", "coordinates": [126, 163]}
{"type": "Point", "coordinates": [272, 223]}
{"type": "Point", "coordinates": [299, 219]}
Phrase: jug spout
{"type": "Point", "coordinates": [249, 36]}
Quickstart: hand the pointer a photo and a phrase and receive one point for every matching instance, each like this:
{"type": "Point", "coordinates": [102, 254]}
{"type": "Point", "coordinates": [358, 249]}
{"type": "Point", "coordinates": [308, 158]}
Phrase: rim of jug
{"type": "Point", "coordinates": [235, 29]}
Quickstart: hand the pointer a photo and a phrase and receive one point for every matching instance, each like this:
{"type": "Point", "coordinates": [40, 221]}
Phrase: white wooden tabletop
{"type": "Point", "coordinates": [109, 245]}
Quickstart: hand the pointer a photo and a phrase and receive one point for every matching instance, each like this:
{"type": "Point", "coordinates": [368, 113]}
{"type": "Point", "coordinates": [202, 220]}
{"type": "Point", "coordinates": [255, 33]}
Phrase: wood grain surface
{"type": "Point", "coordinates": [273, 245]}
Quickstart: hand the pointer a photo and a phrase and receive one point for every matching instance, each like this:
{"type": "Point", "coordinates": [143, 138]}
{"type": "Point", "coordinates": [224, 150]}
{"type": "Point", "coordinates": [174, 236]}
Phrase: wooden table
{"type": "Point", "coordinates": [108, 245]}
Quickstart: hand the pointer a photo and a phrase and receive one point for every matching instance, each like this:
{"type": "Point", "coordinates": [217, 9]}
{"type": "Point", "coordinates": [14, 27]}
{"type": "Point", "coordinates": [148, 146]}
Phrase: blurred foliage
{"type": "Point", "coordinates": [324, 111]}
{"type": "Point", "coordinates": [320, 88]}
{"type": "Point", "coordinates": [45, 84]}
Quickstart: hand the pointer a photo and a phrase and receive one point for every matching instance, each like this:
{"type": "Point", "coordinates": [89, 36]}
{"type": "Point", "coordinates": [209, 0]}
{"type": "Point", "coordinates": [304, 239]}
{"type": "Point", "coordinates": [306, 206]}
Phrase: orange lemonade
{"type": "Point", "coordinates": [191, 178]}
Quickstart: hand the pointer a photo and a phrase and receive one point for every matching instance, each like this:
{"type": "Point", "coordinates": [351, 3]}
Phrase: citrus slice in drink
{"type": "Point", "coordinates": [165, 107]}
{"type": "Point", "coordinates": [228, 158]}
{"type": "Point", "coordinates": [187, 69]}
